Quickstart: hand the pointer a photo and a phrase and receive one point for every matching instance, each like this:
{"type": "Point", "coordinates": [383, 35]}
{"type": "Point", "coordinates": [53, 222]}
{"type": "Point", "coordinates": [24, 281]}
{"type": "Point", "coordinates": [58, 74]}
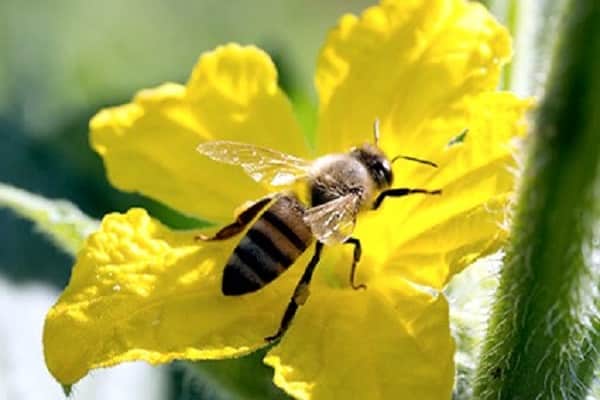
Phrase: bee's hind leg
{"type": "Point", "coordinates": [300, 294]}
{"type": "Point", "coordinates": [242, 220]}
{"type": "Point", "coordinates": [355, 259]}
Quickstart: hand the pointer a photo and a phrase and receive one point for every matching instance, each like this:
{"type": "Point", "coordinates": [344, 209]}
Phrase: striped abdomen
{"type": "Point", "coordinates": [277, 238]}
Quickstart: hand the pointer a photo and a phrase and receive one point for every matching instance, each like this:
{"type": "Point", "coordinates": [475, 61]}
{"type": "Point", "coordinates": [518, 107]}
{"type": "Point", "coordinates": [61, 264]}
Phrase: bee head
{"type": "Point", "coordinates": [376, 163]}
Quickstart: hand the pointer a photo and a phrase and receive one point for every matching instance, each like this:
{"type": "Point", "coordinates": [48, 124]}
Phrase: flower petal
{"type": "Point", "coordinates": [387, 342]}
{"type": "Point", "coordinates": [149, 145]}
{"type": "Point", "coordinates": [427, 239]}
{"type": "Point", "coordinates": [140, 291]}
{"type": "Point", "coordinates": [404, 61]}
{"type": "Point", "coordinates": [427, 69]}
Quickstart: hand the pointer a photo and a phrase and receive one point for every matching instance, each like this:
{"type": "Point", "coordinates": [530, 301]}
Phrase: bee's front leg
{"type": "Point", "coordinates": [355, 259]}
{"type": "Point", "coordinates": [399, 192]}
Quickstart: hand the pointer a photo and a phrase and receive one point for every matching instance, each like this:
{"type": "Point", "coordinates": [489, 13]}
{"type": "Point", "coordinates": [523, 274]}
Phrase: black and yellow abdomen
{"type": "Point", "coordinates": [272, 244]}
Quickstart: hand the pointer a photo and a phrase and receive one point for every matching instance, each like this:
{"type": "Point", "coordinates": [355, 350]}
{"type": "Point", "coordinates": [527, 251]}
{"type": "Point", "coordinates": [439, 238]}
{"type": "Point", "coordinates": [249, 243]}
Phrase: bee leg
{"type": "Point", "coordinates": [399, 192]}
{"type": "Point", "coordinates": [242, 220]}
{"type": "Point", "coordinates": [300, 294]}
{"type": "Point", "coordinates": [355, 260]}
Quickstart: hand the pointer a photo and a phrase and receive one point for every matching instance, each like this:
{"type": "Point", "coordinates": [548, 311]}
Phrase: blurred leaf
{"type": "Point", "coordinates": [61, 221]}
{"type": "Point", "coordinates": [245, 378]}
{"type": "Point", "coordinates": [65, 57]}
{"type": "Point", "coordinates": [470, 296]}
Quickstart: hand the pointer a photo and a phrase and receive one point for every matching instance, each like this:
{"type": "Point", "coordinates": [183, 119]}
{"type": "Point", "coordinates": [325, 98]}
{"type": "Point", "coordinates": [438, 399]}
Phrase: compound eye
{"type": "Point", "coordinates": [387, 172]}
{"type": "Point", "coordinates": [384, 174]}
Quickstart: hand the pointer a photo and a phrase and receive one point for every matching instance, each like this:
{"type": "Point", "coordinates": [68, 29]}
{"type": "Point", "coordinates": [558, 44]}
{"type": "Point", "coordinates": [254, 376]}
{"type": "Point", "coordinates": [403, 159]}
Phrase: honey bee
{"type": "Point", "coordinates": [339, 187]}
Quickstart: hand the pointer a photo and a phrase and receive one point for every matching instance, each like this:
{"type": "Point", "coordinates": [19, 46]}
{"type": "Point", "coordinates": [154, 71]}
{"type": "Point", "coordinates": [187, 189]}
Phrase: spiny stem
{"type": "Point", "coordinates": [542, 334]}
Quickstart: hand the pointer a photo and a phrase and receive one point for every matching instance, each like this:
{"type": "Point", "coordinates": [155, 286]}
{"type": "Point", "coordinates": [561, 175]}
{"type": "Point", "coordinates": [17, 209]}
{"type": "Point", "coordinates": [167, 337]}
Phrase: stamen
{"type": "Point", "coordinates": [376, 131]}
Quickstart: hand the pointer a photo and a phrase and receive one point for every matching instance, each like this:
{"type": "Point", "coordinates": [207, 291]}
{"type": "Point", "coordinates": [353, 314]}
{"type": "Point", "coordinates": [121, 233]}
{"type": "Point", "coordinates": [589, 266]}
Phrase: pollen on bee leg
{"type": "Point", "coordinates": [201, 237]}
{"type": "Point", "coordinates": [301, 294]}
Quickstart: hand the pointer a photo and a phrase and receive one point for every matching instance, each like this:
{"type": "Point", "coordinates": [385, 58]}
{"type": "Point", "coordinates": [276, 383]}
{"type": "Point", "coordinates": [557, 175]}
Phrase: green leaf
{"type": "Point", "coordinates": [244, 378]}
{"type": "Point", "coordinates": [544, 330]}
{"type": "Point", "coordinates": [61, 221]}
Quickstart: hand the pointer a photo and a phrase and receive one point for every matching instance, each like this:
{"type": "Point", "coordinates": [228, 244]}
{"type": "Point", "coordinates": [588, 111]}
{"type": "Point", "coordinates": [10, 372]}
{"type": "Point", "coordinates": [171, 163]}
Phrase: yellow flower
{"type": "Point", "coordinates": [141, 291]}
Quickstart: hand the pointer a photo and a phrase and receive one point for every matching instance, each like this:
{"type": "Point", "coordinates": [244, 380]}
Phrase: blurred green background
{"type": "Point", "coordinates": [60, 62]}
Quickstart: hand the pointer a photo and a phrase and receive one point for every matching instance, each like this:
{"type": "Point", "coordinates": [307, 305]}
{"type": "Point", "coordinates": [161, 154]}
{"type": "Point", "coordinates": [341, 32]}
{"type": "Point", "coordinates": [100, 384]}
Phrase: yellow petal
{"type": "Point", "coordinates": [427, 69]}
{"type": "Point", "coordinates": [404, 61]}
{"type": "Point", "coordinates": [387, 342]}
{"type": "Point", "coordinates": [149, 145]}
{"type": "Point", "coordinates": [140, 291]}
{"type": "Point", "coordinates": [427, 239]}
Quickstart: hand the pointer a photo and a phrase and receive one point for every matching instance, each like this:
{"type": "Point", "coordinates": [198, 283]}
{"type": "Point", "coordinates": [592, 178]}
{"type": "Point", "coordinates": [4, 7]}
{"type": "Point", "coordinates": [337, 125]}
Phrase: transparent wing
{"type": "Point", "coordinates": [333, 222]}
{"type": "Point", "coordinates": [261, 164]}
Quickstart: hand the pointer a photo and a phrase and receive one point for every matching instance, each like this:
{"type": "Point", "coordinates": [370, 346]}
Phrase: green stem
{"type": "Point", "coordinates": [533, 25]}
{"type": "Point", "coordinates": [511, 22]}
{"type": "Point", "coordinates": [541, 338]}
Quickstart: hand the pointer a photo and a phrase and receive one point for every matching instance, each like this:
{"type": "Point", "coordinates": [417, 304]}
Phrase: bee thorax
{"type": "Point", "coordinates": [337, 175]}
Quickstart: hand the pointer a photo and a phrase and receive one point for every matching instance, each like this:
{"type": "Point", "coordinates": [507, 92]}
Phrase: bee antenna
{"type": "Point", "coordinates": [376, 131]}
{"type": "Point", "coordinates": [430, 163]}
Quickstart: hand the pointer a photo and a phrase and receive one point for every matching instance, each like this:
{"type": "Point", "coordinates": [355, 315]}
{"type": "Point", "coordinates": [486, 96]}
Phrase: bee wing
{"type": "Point", "coordinates": [333, 222]}
{"type": "Point", "coordinates": [261, 164]}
